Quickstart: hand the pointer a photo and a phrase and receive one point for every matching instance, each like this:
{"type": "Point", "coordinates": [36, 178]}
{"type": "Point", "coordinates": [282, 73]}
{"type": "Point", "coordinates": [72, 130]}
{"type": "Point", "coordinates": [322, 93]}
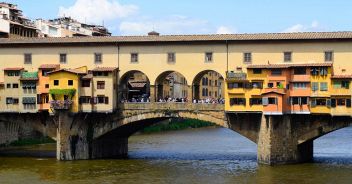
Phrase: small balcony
{"type": "Point", "coordinates": [61, 104]}
{"type": "Point", "coordinates": [341, 91]}
{"type": "Point", "coordinates": [236, 76]}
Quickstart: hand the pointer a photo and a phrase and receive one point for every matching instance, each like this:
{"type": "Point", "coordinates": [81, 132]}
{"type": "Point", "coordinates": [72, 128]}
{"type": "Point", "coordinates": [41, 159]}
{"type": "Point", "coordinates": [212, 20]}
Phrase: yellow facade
{"type": "Point", "coordinates": [63, 77]}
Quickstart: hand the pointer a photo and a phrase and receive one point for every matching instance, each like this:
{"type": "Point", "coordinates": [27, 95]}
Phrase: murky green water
{"type": "Point", "coordinates": [207, 155]}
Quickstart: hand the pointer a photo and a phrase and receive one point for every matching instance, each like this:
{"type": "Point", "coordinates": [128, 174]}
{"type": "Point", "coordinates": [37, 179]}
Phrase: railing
{"type": "Point", "coordinates": [236, 76]}
{"type": "Point", "coordinates": [172, 106]}
{"type": "Point", "coordinates": [61, 104]}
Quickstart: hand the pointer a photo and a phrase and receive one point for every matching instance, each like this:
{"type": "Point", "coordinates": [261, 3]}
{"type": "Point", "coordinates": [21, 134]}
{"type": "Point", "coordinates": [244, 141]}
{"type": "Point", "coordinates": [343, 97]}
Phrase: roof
{"type": "Point", "coordinates": [104, 69]}
{"type": "Point", "coordinates": [13, 69]}
{"type": "Point", "coordinates": [29, 76]}
{"type": "Point", "coordinates": [341, 77]}
{"type": "Point", "coordinates": [68, 70]}
{"type": "Point", "coordinates": [291, 65]}
{"type": "Point", "coordinates": [49, 66]}
{"type": "Point", "coordinates": [137, 84]}
{"type": "Point", "coordinates": [87, 77]}
{"type": "Point", "coordinates": [343, 35]}
{"type": "Point", "coordinates": [274, 91]}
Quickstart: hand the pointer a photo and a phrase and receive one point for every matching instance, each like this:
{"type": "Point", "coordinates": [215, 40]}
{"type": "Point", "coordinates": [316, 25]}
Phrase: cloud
{"type": "Point", "coordinates": [314, 26]}
{"type": "Point", "coordinates": [224, 30]}
{"type": "Point", "coordinates": [175, 24]}
{"type": "Point", "coordinates": [97, 11]}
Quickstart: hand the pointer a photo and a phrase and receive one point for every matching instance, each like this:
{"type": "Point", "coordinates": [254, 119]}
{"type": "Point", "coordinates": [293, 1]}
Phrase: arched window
{"type": "Point", "coordinates": [206, 92]}
{"type": "Point", "coordinates": [206, 81]}
{"type": "Point", "coordinates": [203, 92]}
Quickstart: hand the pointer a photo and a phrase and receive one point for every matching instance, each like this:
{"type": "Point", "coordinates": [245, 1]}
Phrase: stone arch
{"type": "Point", "coordinates": [142, 83]}
{"type": "Point", "coordinates": [171, 84]}
{"type": "Point", "coordinates": [201, 78]}
{"type": "Point", "coordinates": [323, 127]}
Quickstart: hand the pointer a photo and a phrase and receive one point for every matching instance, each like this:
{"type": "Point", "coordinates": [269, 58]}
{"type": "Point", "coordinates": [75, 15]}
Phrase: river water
{"type": "Point", "coordinates": [205, 155]}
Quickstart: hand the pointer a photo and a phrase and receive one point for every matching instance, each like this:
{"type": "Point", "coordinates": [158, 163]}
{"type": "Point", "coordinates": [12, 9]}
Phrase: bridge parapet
{"type": "Point", "coordinates": [172, 106]}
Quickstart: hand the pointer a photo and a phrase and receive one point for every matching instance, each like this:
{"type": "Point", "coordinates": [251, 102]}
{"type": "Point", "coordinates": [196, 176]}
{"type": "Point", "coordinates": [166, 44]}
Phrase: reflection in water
{"type": "Point", "coordinates": [207, 155]}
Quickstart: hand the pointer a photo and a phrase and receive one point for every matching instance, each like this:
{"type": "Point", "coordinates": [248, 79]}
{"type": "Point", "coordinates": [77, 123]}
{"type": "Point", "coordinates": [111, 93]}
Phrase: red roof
{"type": "Point", "coordinates": [284, 65]}
{"type": "Point", "coordinates": [104, 69]}
{"type": "Point", "coordinates": [49, 66]}
{"type": "Point", "coordinates": [13, 69]}
{"type": "Point", "coordinates": [69, 70]}
{"type": "Point", "coordinates": [341, 77]}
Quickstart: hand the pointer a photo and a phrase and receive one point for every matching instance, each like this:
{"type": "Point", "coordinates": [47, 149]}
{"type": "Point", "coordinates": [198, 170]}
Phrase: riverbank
{"type": "Point", "coordinates": [177, 124]}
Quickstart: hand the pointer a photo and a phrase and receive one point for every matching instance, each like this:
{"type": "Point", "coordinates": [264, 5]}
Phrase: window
{"type": "Point", "coordinates": [208, 57]}
{"type": "Point", "coordinates": [299, 85]}
{"type": "Point", "coordinates": [63, 58]}
{"type": "Point", "coordinates": [14, 85]}
{"type": "Point", "coordinates": [100, 73]}
{"type": "Point", "coordinates": [100, 84]}
{"type": "Point", "coordinates": [134, 57]}
{"type": "Point", "coordinates": [345, 84]}
{"type": "Point", "coordinates": [85, 83]}
{"type": "Point", "coordinates": [237, 101]}
{"type": "Point", "coordinates": [341, 102]}
{"type": "Point", "coordinates": [299, 100]}
{"type": "Point", "coordinates": [255, 101]}
{"type": "Point", "coordinates": [98, 58]}
{"type": "Point", "coordinates": [276, 72]}
{"type": "Point", "coordinates": [272, 101]}
{"type": "Point", "coordinates": [329, 55]}
{"type": "Point", "coordinates": [257, 71]}
{"type": "Point", "coordinates": [235, 85]}
{"type": "Point", "coordinates": [84, 99]}
{"type": "Point", "coordinates": [15, 100]}
{"type": "Point", "coordinates": [103, 99]}
{"type": "Point", "coordinates": [315, 86]}
{"type": "Point", "coordinates": [216, 83]}
{"type": "Point", "coordinates": [8, 85]}
{"type": "Point", "coordinates": [270, 85]}
{"type": "Point", "coordinates": [56, 82]}
{"type": "Point", "coordinates": [46, 85]}
{"type": "Point", "coordinates": [323, 86]}
{"type": "Point", "coordinates": [321, 102]}
{"type": "Point", "coordinates": [45, 72]}
{"type": "Point", "coordinates": [287, 56]}
{"type": "Point", "coordinates": [27, 58]}
{"type": "Point", "coordinates": [70, 82]}
{"type": "Point", "coordinates": [13, 73]}
{"type": "Point", "coordinates": [9, 100]}
{"type": "Point", "coordinates": [171, 57]}
{"type": "Point", "coordinates": [299, 71]}
{"type": "Point", "coordinates": [257, 85]}
{"type": "Point", "coordinates": [247, 57]}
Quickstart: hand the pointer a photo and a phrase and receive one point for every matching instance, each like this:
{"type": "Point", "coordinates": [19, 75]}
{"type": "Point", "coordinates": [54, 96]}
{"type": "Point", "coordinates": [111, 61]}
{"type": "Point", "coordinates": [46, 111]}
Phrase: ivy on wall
{"type": "Point", "coordinates": [69, 92]}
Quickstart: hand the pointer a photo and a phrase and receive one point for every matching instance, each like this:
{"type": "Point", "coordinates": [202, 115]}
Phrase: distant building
{"type": "Point", "coordinates": [14, 24]}
{"type": "Point", "coordinates": [211, 86]}
{"type": "Point", "coordinates": [68, 27]}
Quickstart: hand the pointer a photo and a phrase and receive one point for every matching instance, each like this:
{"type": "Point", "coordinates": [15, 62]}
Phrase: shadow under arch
{"type": "Point", "coordinates": [171, 84]}
{"type": "Point", "coordinates": [199, 81]}
{"type": "Point", "coordinates": [133, 84]}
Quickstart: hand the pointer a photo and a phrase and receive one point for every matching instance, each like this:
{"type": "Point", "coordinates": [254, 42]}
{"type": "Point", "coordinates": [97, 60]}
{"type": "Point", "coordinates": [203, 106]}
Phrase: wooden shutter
{"type": "Point", "coordinates": [328, 103]}
{"type": "Point", "coordinates": [348, 102]}
{"type": "Point", "coordinates": [265, 100]}
{"type": "Point", "coordinates": [106, 100]}
{"type": "Point", "coordinates": [333, 102]}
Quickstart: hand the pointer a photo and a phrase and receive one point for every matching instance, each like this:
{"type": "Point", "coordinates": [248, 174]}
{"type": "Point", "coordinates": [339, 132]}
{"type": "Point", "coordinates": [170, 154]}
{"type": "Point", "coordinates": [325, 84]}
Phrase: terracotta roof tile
{"type": "Point", "coordinates": [281, 65]}
{"type": "Point", "coordinates": [49, 66]}
{"type": "Point", "coordinates": [104, 69]}
{"type": "Point", "coordinates": [13, 69]}
{"type": "Point", "coordinates": [68, 70]}
{"type": "Point", "coordinates": [179, 38]}
{"type": "Point", "coordinates": [341, 77]}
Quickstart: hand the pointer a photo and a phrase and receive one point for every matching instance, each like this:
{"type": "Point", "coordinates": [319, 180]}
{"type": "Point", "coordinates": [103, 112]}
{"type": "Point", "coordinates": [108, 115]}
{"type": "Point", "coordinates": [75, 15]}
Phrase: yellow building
{"type": "Point", "coordinates": [341, 95]}
{"type": "Point", "coordinates": [64, 88]}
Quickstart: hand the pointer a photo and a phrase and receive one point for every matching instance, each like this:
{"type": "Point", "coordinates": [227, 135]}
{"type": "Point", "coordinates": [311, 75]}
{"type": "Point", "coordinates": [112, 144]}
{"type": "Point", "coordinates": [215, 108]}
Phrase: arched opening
{"type": "Point", "coordinates": [208, 87]}
{"type": "Point", "coordinates": [134, 86]}
{"type": "Point", "coordinates": [334, 147]}
{"type": "Point", "coordinates": [171, 86]}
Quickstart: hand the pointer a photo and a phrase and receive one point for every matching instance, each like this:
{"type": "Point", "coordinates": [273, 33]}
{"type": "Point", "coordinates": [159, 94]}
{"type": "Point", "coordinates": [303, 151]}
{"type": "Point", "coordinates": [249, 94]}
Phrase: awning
{"type": "Point", "coordinates": [137, 84]}
{"type": "Point", "coordinates": [28, 100]}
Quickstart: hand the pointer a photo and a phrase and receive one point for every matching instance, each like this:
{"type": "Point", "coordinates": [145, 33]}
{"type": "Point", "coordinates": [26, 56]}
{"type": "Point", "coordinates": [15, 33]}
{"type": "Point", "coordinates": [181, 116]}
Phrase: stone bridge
{"type": "Point", "coordinates": [280, 139]}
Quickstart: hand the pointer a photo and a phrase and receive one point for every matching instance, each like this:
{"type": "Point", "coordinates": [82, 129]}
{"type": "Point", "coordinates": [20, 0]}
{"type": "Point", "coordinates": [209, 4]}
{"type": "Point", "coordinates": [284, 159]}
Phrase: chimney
{"type": "Point", "coordinates": [153, 33]}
